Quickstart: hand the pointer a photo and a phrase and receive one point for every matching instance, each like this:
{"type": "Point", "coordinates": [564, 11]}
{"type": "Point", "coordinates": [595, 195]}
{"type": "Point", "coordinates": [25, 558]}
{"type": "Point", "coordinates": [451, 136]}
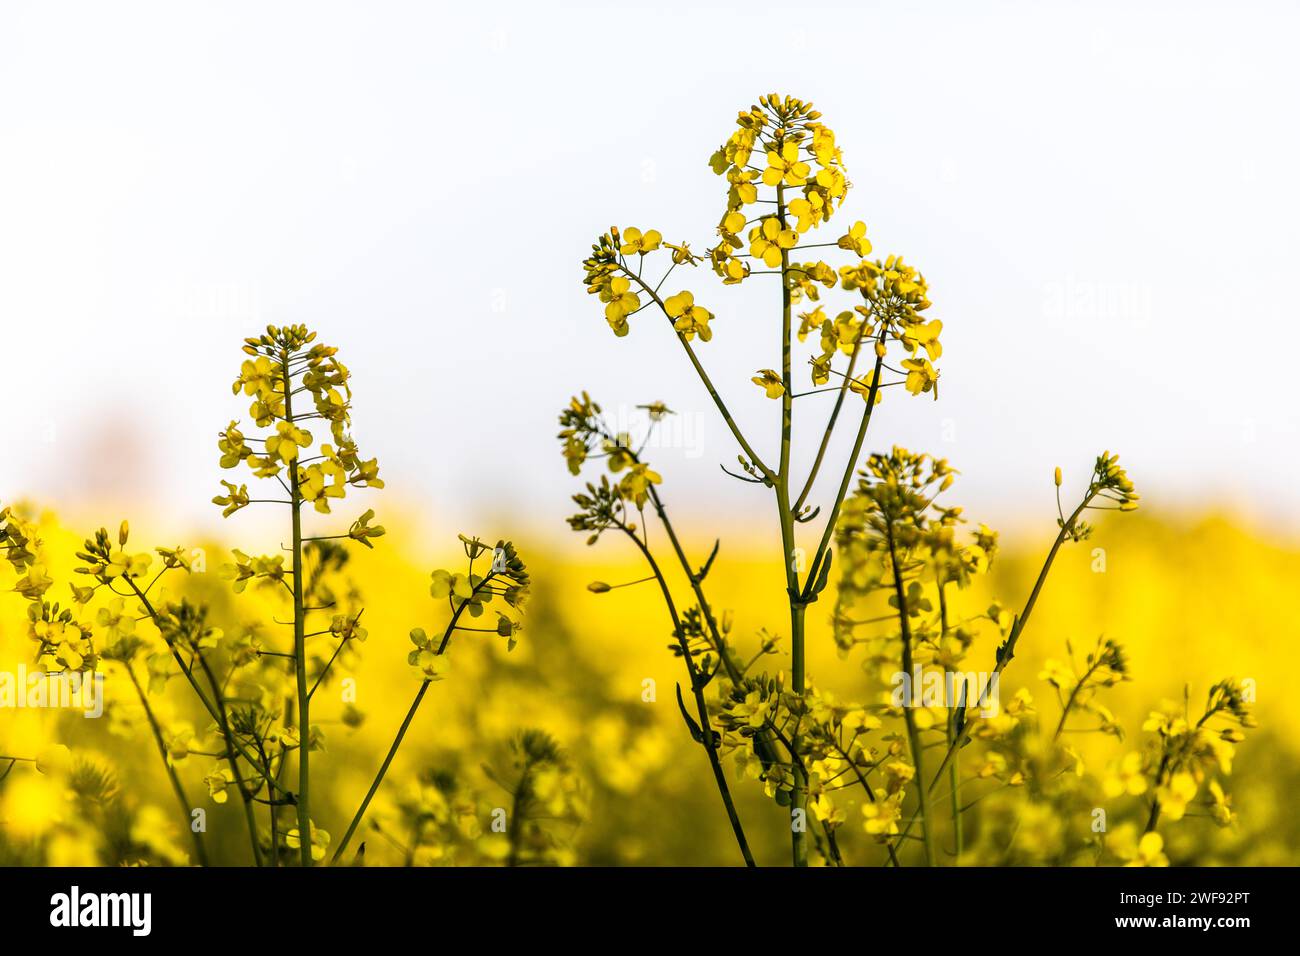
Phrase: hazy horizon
{"type": "Point", "coordinates": [423, 195]}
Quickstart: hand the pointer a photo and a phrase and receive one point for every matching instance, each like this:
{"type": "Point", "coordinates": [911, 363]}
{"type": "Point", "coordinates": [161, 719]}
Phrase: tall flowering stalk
{"type": "Point", "coordinates": [286, 363]}
{"type": "Point", "coordinates": [785, 180]}
{"type": "Point", "coordinates": [796, 186]}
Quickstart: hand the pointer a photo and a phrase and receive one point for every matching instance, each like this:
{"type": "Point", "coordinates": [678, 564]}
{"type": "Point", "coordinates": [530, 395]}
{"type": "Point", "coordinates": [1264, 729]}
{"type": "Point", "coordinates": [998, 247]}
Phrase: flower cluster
{"type": "Point", "coordinates": [799, 153]}
{"type": "Point", "coordinates": [287, 362]}
{"type": "Point", "coordinates": [17, 539]}
{"type": "Point", "coordinates": [506, 580]}
{"type": "Point", "coordinates": [773, 734]}
{"type": "Point", "coordinates": [63, 643]}
{"type": "Point", "coordinates": [1184, 755]}
{"type": "Point", "coordinates": [66, 636]}
{"type": "Point", "coordinates": [1077, 687]}
{"type": "Point", "coordinates": [585, 435]}
{"type": "Point", "coordinates": [1108, 483]}
{"type": "Point", "coordinates": [609, 275]}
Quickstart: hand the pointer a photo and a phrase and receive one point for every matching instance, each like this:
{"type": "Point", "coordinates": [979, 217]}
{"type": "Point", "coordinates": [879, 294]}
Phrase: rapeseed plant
{"type": "Point", "coordinates": [257, 688]}
{"type": "Point", "coordinates": [902, 564]}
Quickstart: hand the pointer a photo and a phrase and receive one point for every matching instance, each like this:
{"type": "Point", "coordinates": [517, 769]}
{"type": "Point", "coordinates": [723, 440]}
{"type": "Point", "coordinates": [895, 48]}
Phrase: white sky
{"type": "Point", "coordinates": [1103, 197]}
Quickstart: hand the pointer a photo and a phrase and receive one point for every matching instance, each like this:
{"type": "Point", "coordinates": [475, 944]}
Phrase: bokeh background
{"type": "Point", "coordinates": [1101, 196]}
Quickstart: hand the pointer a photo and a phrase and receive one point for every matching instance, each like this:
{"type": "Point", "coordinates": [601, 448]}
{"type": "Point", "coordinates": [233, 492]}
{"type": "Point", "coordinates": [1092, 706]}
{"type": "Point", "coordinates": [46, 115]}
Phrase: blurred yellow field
{"type": "Point", "coordinates": [1190, 600]}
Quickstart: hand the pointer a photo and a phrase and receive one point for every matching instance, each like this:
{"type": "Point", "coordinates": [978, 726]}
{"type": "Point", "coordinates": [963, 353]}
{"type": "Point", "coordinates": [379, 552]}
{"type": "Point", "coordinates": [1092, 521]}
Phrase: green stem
{"type": "Point", "coordinates": [801, 772]}
{"type": "Point", "coordinates": [1154, 817]}
{"type": "Point", "coordinates": [798, 835]}
{"type": "Point", "coordinates": [763, 744]}
{"type": "Point", "coordinates": [954, 768]}
{"type": "Point", "coordinates": [708, 382]}
{"type": "Point", "coordinates": [913, 734]}
{"type": "Point", "coordinates": [401, 731]}
{"type": "Point", "coordinates": [799, 802]}
{"type": "Point", "coordinates": [518, 807]}
{"type": "Point", "coordinates": [232, 758]}
{"type": "Point", "coordinates": [872, 394]}
{"type": "Point", "coordinates": [200, 851]}
{"type": "Point", "coordinates": [1074, 696]}
{"type": "Point", "coordinates": [697, 586]}
{"type": "Point", "coordinates": [843, 390]}
{"type": "Point", "coordinates": [188, 671]}
{"type": "Point", "coordinates": [701, 707]}
{"type": "Point", "coordinates": [383, 769]}
{"type": "Point", "coordinates": [273, 810]}
{"type": "Point", "coordinates": [871, 794]}
{"type": "Point", "coordinates": [299, 642]}
{"type": "Point", "coordinates": [1017, 628]}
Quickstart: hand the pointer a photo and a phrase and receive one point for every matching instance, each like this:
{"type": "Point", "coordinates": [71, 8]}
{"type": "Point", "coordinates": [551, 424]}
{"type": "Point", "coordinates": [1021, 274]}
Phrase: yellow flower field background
{"type": "Point", "coordinates": [1191, 598]}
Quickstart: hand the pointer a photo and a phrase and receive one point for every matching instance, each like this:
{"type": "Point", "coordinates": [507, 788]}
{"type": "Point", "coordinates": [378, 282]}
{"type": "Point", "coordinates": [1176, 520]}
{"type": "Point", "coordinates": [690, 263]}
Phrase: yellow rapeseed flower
{"type": "Point", "coordinates": [768, 380]}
